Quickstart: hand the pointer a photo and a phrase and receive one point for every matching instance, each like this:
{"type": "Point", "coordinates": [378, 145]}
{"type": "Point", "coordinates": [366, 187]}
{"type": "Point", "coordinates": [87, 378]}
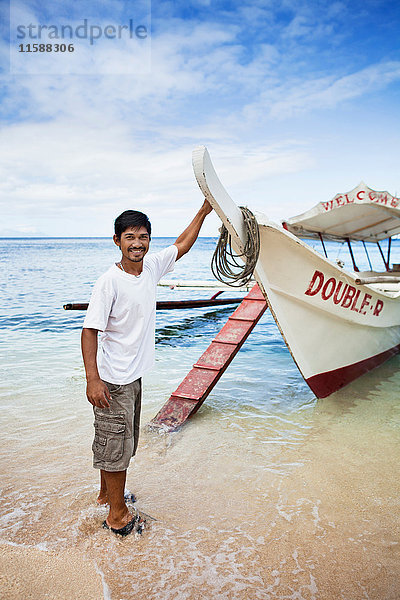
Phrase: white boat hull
{"type": "Point", "coordinates": [335, 329]}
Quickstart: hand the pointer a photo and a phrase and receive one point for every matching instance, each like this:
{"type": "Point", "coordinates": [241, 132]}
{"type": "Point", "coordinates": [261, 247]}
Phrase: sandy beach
{"type": "Point", "coordinates": [240, 516]}
{"type": "Point", "coordinates": [31, 574]}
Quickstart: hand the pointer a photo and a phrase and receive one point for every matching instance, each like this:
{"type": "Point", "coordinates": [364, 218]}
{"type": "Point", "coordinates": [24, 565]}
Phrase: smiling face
{"type": "Point", "coordinates": [134, 244]}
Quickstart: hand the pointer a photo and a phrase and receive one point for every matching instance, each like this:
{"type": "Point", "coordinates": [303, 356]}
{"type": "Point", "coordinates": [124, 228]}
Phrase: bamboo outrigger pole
{"type": "Point", "coordinates": [171, 304]}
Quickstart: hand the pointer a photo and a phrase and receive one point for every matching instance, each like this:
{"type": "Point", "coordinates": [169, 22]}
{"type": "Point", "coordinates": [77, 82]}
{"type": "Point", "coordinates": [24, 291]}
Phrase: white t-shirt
{"type": "Point", "coordinates": [123, 307]}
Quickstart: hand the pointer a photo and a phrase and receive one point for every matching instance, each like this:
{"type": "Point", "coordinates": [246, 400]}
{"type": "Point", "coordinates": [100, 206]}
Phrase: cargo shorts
{"type": "Point", "coordinates": [117, 428]}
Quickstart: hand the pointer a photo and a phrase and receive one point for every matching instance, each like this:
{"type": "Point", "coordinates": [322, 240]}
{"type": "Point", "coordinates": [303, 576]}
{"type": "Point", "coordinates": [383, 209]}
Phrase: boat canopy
{"type": "Point", "coordinates": [361, 214]}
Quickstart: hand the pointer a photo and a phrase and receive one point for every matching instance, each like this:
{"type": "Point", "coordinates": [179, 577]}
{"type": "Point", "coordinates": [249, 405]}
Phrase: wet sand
{"type": "Point", "coordinates": [32, 574]}
{"type": "Point", "coordinates": [263, 495]}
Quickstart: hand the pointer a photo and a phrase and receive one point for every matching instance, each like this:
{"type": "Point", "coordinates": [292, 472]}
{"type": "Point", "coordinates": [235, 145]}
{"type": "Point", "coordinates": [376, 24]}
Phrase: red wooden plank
{"type": "Point", "coordinates": [248, 309]}
{"type": "Point", "coordinates": [216, 355]}
{"type": "Point", "coordinates": [255, 294]}
{"type": "Point", "coordinates": [195, 384]}
{"type": "Point", "coordinates": [175, 412]}
{"type": "Point", "coordinates": [201, 379]}
{"type": "Point", "coordinates": [233, 332]}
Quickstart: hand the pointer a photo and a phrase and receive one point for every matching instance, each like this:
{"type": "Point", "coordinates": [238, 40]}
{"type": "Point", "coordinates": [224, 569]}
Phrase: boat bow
{"type": "Point", "coordinates": [335, 327]}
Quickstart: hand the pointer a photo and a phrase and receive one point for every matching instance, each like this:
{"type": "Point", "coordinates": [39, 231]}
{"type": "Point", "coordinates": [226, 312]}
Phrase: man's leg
{"type": "Point", "coordinates": [116, 438]}
{"type": "Point", "coordinates": [102, 498]}
{"type": "Point", "coordinates": [119, 515]}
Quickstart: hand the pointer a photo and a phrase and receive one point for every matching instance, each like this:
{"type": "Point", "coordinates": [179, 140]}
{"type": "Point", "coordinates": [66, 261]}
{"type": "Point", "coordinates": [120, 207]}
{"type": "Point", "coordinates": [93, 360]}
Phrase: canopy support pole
{"type": "Point", "coordinates": [383, 256]}
{"type": "Point", "coordinates": [352, 255]}
{"type": "Point", "coordinates": [388, 253]}
{"type": "Point", "coordinates": [366, 252]}
{"type": "Point", "coordinates": [323, 244]}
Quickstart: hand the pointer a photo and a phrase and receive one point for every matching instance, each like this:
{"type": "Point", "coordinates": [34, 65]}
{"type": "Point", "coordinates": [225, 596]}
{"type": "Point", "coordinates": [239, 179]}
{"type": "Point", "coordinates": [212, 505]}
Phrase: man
{"type": "Point", "coordinates": [122, 307]}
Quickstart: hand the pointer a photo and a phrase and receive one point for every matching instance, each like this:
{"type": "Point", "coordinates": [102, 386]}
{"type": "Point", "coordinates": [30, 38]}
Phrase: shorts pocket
{"type": "Point", "coordinates": [114, 388]}
{"type": "Point", "coordinates": [108, 443]}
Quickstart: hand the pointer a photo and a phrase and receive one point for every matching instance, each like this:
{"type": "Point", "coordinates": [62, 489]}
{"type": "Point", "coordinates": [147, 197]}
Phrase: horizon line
{"type": "Point", "coordinates": [80, 237]}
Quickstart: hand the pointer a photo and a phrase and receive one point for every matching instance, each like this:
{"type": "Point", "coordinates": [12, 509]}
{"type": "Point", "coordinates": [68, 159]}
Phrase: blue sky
{"type": "Point", "coordinates": [296, 101]}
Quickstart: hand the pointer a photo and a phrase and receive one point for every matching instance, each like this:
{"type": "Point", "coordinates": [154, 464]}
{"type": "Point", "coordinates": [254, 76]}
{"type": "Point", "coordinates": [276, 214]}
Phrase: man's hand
{"type": "Point", "coordinates": [186, 240]}
{"type": "Point", "coordinates": [97, 393]}
{"type": "Point", "coordinates": [207, 207]}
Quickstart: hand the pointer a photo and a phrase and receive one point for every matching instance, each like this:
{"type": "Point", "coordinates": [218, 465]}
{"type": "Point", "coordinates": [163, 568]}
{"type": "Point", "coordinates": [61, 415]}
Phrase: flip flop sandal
{"type": "Point", "coordinates": [124, 531]}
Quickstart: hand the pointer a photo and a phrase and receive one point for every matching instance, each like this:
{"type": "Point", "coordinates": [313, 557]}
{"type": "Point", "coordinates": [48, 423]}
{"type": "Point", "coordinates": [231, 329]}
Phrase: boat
{"type": "Point", "coordinates": [338, 324]}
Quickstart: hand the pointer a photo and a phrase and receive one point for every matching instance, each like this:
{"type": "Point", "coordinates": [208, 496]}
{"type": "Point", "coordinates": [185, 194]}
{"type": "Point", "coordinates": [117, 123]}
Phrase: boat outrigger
{"type": "Point", "coordinates": [337, 324]}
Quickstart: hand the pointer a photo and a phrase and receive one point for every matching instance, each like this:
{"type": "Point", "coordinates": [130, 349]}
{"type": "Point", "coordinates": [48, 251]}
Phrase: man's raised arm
{"type": "Point", "coordinates": [186, 240]}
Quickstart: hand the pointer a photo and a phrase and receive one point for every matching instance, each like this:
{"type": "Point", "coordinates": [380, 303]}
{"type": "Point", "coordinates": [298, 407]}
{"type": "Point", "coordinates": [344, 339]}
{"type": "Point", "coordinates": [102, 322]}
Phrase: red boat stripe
{"type": "Point", "coordinates": [325, 384]}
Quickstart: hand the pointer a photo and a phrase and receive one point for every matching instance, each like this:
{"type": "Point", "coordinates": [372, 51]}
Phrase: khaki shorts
{"type": "Point", "coordinates": [117, 428]}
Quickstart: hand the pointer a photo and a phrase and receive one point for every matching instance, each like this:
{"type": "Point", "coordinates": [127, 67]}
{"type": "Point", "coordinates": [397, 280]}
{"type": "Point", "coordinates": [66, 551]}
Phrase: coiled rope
{"type": "Point", "coordinates": [224, 264]}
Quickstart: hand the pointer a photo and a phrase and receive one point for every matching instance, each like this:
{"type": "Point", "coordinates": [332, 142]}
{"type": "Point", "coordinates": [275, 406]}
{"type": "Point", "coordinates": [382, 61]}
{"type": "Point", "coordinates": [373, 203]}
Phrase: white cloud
{"type": "Point", "coordinates": [76, 150]}
{"type": "Point", "coordinates": [295, 97]}
{"type": "Point", "coordinates": [68, 177]}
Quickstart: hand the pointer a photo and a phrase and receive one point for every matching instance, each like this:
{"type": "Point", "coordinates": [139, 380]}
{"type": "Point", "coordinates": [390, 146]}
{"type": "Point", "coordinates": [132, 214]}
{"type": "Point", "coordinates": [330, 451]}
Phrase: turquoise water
{"type": "Point", "coordinates": [265, 493]}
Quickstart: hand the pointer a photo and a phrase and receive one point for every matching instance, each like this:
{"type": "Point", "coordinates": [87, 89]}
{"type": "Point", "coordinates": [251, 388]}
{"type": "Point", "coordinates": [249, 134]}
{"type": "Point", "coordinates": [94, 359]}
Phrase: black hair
{"type": "Point", "coordinates": [131, 218]}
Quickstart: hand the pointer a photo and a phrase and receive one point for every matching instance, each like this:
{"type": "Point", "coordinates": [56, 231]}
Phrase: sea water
{"type": "Point", "coordinates": [265, 493]}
